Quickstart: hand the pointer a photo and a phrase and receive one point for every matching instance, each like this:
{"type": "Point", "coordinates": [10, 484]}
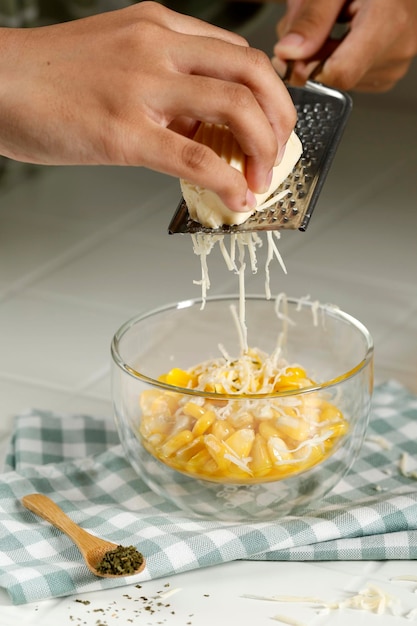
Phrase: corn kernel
{"type": "Point", "coordinates": [293, 427]}
{"type": "Point", "coordinates": [198, 461]}
{"type": "Point", "coordinates": [209, 468]}
{"type": "Point", "coordinates": [181, 422]}
{"type": "Point", "coordinates": [267, 430]}
{"type": "Point", "coordinates": [178, 378]}
{"type": "Point", "coordinates": [336, 430]}
{"type": "Point", "coordinates": [193, 410]}
{"type": "Point", "coordinates": [238, 473]}
{"type": "Point", "coordinates": [309, 455]}
{"type": "Point", "coordinates": [173, 444]}
{"type": "Point", "coordinates": [204, 423]}
{"type": "Point", "coordinates": [241, 442]}
{"type": "Point", "coordinates": [293, 378]}
{"type": "Point", "coordinates": [222, 429]}
{"type": "Point", "coordinates": [164, 405]}
{"type": "Point", "coordinates": [329, 413]}
{"type": "Point", "coordinates": [217, 451]}
{"type": "Point", "coordinates": [278, 450]}
{"type": "Point", "coordinates": [186, 453]}
{"type": "Point", "coordinates": [242, 419]}
{"type": "Point", "coordinates": [261, 461]}
{"type": "Point", "coordinates": [156, 423]}
{"type": "Point", "coordinates": [147, 398]}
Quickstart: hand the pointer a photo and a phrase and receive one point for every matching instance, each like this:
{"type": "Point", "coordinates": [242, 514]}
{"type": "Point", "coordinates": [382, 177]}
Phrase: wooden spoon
{"type": "Point", "coordinates": [92, 548]}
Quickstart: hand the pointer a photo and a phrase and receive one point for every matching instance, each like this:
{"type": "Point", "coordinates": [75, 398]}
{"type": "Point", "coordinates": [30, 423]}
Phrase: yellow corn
{"type": "Point", "coordinates": [152, 424]}
{"type": "Point", "coordinates": [261, 462]}
{"type": "Point", "coordinates": [176, 442]}
{"type": "Point", "coordinates": [203, 423]}
{"type": "Point", "coordinates": [278, 450]}
{"type": "Point", "coordinates": [184, 454]}
{"type": "Point", "coordinates": [241, 442]}
{"type": "Point", "coordinates": [293, 427]}
{"type": "Point", "coordinates": [193, 410]}
{"type": "Point", "coordinates": [267, 430]}
{"type": "Point", "coordinates": [217, 451]}
{"type": "Point", "coordinates": [294, 378]}
{"type": "Point", "coordinates": [308, 456]}
{"type": "Point", "coordinates": [196, 464]}
{"type": "Point", "coordinates": [147, 398]}
{"type": "Point", "coordinates": [178, 378]}
{"type": "Point", "coordinates": [242, 420]}
{"type": "Point", "coordinates": [222, 429]}
{"type": "Point", "coordinates": [329, 412]}
{"type": "Point", "coordinates": [164, 405]}
{"type": "Point", "coordinates": [335, 430]}
{"type": "Point", "coordinates": [247, 447]}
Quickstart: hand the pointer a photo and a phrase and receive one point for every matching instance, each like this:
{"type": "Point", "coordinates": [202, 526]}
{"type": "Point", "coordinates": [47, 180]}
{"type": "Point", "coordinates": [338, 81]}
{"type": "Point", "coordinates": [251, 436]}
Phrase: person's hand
{"type": "Point", "coordinates": [128, 87]}
{"type": "Point", "coordinates": [374, 54]}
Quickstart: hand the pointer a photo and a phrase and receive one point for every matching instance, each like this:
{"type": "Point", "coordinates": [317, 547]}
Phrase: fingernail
{"type": "Point", "coordinates": [291, 41]}
{"type": "Point", "coordinates": [251, 201]}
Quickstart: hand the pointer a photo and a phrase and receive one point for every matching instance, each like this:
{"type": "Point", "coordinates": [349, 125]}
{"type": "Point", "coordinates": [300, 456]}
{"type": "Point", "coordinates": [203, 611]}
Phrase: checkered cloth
{"type": "Point", "coordinates": [372, 514]}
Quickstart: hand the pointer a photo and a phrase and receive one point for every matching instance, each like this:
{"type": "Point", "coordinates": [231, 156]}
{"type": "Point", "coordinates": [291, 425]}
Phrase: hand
{"type": "Point", "coordinates": [128, 87]}
{"type": "Point", "coordinates": [375, 53]}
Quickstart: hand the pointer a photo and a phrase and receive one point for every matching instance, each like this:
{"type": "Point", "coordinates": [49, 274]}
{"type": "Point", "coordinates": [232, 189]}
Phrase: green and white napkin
{"type": "Point", "coordinates": [76, 459]}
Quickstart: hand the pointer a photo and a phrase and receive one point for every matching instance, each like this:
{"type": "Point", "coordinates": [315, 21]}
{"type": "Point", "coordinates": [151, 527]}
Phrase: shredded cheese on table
{"type": "Point", "coordinates": [371, 599]}
{"type": "Point", "coordinates": [284, 619]}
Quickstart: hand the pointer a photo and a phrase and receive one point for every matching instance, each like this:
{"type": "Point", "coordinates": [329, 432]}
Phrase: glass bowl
{"type": "Point", "coordinates": [238, 422]}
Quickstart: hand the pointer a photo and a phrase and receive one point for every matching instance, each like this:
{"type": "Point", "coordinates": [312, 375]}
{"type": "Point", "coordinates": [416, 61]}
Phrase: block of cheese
{"type": "Point", "coordinates": [204, 205]}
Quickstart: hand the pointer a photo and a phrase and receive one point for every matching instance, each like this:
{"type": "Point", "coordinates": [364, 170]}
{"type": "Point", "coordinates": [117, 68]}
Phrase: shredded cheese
{"type": "Point", "coordinates": [405, 466]}
{"type": "Point", "coordinates": [371, 599]}
{"type": "Point", "coordinates": [284, 619]}
{"type": "Point", "coordinates": [204, 243]}
{"type": "Point", "coordinates": [380, 441]}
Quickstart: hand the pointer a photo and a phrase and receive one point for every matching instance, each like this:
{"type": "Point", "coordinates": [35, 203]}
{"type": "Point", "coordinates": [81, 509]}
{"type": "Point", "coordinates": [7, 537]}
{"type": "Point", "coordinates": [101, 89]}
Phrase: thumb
{"type": "Point", "coordinates": [305, 28]}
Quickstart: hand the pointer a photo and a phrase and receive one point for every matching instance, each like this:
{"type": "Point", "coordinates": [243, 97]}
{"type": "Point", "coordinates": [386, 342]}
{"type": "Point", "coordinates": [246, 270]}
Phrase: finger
{"type": "Point", "coordinates": [362, 51]}
{"type": "Point", "coordinates": [293, 7]}
{"type": "Point", "coordinates": [224, 102]}
{"type": "Point", "coordinates": [306, 30]}
{"type": "Point", "coordinates": [298, 72]}
{"type": "Point", "coordinates": [246, 67]}
{"type": "Point", "coordinates": [351, 60]}
{"type": "Point", "coordinates": [182, 157]}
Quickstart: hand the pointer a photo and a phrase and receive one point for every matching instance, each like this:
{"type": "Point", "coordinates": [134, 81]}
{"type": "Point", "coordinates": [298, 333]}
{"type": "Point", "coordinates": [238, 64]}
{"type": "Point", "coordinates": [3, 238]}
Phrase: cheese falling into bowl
{"type": "Point", "coordinates": [204, 205]}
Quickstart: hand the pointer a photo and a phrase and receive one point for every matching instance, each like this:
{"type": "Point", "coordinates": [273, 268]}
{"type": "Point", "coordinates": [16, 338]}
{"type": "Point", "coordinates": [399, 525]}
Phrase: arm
{"type": "Point", "coordinates": [128, 87]}
{"type": "Point", "coordinates": [375, 53]}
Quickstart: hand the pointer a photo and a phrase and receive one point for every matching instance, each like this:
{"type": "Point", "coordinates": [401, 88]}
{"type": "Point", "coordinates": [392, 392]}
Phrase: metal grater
{"type": "Point", "coordinates": [322, 116]}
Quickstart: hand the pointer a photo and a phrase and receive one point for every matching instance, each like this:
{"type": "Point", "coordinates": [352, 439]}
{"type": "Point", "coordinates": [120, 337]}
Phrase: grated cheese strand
{"type": "Point", "coordinates": [380, 441]}
{"type": "Point", "coordinates": [276, 197]}
{"type": "Point", "coordinates": [284, 619]}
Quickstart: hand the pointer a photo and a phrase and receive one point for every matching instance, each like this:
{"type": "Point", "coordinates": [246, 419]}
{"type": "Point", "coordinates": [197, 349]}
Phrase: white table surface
{"type": "Point", "coordinates": [84, 249]}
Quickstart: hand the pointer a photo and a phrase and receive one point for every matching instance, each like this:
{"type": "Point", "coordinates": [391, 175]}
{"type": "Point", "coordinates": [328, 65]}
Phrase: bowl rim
{"type": "Point", "coordinates": [330, 309]}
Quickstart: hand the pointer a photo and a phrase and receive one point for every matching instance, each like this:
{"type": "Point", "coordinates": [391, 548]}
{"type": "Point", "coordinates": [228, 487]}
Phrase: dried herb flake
{"type": "Point", "coordinates": [121, 561]}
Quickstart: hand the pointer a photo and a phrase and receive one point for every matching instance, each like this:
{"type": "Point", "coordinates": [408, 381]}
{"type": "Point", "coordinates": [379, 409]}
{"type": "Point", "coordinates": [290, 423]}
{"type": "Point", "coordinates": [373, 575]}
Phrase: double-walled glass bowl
{"type": "Point", "coordinates": [217, 452]}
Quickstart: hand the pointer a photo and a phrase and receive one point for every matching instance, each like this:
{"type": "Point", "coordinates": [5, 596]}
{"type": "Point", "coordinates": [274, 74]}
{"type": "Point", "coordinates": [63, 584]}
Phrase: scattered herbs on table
{"type": "Point", "coordinates": [121, 561]}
